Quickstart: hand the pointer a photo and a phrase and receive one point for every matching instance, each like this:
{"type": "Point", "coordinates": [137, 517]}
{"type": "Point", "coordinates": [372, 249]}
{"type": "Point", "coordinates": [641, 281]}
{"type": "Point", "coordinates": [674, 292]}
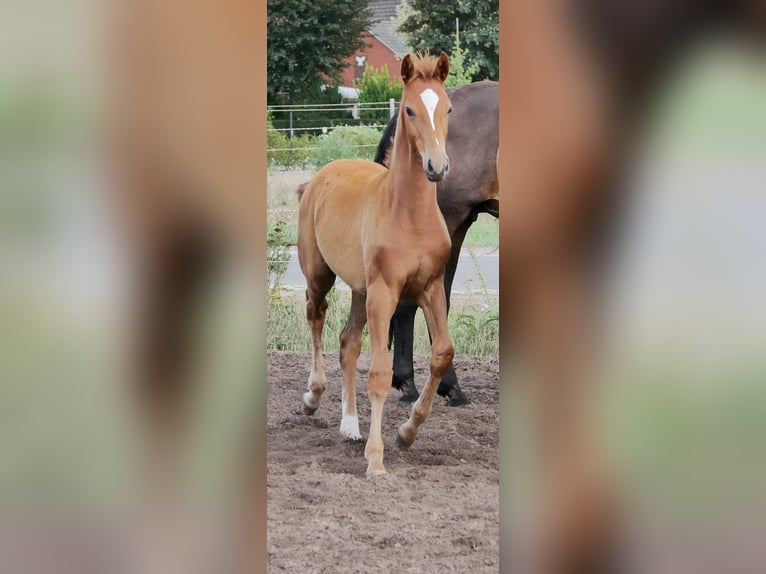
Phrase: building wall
{"type": "Point", "coordinates": [376, 54]}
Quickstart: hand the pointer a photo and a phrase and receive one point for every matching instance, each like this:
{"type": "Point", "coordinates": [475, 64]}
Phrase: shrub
{"type": "Point", "coordinates": [347, 142]}
{"type": "Point", "coordinates": [277, 255]}
{"type": "Point", "coordinates": [377, 86]}
{"type": "Point", "coordinates": [290, 154]}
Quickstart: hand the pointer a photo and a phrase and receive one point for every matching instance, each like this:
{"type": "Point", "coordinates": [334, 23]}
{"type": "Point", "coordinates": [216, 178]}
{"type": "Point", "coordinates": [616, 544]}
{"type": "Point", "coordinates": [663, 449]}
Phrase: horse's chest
{"type": "Point", "coordinates": [415, 266]}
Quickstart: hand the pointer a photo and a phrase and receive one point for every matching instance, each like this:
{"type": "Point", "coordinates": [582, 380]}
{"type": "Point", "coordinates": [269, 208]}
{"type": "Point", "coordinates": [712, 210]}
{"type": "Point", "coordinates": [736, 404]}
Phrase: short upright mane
{"type": "Point", "coordinates": [425, 66]}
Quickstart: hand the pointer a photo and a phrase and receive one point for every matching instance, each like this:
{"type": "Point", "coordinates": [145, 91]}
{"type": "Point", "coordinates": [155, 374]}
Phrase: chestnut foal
{"type": "Point", "coordinates": [382, 232]}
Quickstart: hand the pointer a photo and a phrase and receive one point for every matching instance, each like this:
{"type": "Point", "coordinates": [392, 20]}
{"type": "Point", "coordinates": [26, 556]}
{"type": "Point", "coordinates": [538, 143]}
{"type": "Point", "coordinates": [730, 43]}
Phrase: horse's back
{"type": "Point", "coordinates": [340, 187]}
{"type": "Point", "coordinates": [332, 212]}
{"type": "Point", "coordinates": [472, 144]}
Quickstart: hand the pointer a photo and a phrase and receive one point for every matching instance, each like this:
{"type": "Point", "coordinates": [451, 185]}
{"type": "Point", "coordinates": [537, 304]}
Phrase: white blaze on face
{"type": "Point", "coordinates": [430, 100]}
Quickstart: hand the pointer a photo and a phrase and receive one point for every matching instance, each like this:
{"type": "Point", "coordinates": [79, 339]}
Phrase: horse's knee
{"type": "Point", "coordinates": [441, 357]}
{"type": "Point", "coordinates": [379, 383]}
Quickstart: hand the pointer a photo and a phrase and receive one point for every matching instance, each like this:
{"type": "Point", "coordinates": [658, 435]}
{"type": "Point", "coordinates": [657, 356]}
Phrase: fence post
{"type": "Point", "coordinates": [391, 108]}
{"type": "Point", "coordinates": [291, 125]}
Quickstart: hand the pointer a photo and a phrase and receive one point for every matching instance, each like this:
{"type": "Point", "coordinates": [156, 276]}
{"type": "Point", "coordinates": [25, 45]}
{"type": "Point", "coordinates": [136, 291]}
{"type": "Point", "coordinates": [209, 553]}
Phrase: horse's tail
{"type": "Point", "coordinates": [301, 190]}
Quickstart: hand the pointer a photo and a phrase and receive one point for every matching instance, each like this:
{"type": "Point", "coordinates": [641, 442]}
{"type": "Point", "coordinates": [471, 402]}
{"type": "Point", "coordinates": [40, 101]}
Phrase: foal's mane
{"type": "Point", "coordinates": [425, 65]}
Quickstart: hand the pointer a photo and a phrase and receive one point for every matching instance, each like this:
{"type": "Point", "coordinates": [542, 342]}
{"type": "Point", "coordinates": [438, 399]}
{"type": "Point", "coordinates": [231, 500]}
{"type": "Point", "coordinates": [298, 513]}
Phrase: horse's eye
{"type": "Point", "coordinates": [409, 111]}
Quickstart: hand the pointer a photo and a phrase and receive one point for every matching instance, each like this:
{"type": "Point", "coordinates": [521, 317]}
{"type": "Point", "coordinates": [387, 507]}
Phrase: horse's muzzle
{"type": "Point", "coordinates": [436, 175]}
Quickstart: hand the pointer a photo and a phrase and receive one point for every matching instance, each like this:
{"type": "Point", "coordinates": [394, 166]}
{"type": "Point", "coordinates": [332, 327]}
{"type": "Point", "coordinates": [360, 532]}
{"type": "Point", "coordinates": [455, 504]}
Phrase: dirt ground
{"type": "Point", "coordinates": [437, 509]}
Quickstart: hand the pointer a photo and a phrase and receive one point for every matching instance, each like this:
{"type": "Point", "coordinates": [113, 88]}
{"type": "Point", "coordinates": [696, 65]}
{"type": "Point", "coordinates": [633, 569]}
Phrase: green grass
{"type": "Point", "coordinates": [484, 233]}
{"type": "Point", "coordinates": [473, 325]}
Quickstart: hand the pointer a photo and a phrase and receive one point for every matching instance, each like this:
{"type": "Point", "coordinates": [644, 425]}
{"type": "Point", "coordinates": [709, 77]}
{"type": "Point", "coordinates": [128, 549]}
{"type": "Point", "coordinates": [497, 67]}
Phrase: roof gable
{"type": "Point", "coordinates": [384, 29]}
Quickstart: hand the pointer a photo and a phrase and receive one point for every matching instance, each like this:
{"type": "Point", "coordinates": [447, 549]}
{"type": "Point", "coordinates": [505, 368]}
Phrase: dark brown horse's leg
{"type": "Point", "coordinates": [434, 305]}
{"type": "Point", "coordinates": [403, 334]}
{"type": "Point", "coordinates": [449, 386]}
{"type": "Point", "coordinates": [350, 347]}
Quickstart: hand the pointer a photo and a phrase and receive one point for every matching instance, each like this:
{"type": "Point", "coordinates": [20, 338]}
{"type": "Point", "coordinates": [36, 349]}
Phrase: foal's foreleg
{"type": "Point", "coordinates": [350, 347]}
{"type": "Point", "coordinates": [381, 303]}
{"type": "Point", "coordinates": [434, 304]}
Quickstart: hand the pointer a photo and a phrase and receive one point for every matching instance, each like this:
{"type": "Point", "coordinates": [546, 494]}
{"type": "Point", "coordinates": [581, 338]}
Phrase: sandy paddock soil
{"type": "Point", "coordinates": [437, 510]}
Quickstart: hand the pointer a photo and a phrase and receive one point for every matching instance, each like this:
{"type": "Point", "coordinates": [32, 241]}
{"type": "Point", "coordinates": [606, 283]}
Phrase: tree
{"type": "Point", "coordinates": [459, 73]}
{"type": "Point", "coordinates": [430, 25]}
{"type": "Point", "coordinates": [308, 42]}
{"type": "Point", "coordinates": [377, 86]}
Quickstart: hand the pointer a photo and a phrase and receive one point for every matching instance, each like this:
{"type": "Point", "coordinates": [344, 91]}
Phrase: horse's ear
{"type": "Point", "coordinates": [442, 67]}
{"type": "Point", "coordinates": [407, 69]}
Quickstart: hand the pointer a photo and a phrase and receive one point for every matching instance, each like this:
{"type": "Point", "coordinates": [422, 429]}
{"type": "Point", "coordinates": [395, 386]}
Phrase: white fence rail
{"type": "Point", "coordinates": [349, 111]}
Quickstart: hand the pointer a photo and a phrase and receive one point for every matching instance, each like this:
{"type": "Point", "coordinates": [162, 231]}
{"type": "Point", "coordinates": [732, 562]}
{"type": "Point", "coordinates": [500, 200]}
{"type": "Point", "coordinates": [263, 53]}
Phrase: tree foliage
{"type": "Point", "coordinates": [459, 73]}
{"type": "Point", "coordinates": [430, 25]}
{"type": "Point", "coordinates": [308, 42]}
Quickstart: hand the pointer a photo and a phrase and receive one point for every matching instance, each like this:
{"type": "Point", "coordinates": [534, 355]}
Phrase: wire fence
{"type": "Point", "coordinates": [292, 118]}
{"type": "Point", "coordinates": [301, 123]}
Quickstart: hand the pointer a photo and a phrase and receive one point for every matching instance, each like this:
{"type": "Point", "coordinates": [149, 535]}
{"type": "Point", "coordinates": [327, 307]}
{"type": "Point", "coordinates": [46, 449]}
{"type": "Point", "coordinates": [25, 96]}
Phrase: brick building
{"type": "Point", "coordinates": [384, 46]}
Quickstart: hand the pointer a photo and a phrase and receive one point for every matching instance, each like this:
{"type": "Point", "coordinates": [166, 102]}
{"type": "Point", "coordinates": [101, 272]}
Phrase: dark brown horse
{"type": "Point", "coordinates": [578, 77]}
{"type": "Point", "coordinates": [471, 188]}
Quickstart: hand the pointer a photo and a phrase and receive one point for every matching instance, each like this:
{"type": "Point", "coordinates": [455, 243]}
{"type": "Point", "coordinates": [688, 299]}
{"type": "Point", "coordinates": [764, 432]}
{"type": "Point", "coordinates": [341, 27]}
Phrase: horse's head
{"type": "Point", "coordinates": [425, 106]}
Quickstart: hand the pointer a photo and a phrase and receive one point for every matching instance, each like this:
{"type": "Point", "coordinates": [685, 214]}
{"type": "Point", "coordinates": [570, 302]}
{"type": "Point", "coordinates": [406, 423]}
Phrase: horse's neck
{"type": "Point", "coordinates": [411, 195]}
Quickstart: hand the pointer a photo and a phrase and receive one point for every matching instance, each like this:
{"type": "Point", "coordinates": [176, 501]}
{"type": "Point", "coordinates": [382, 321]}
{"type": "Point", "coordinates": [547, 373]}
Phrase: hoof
{"type": "Point", "coordinates": [375, 471]}
{"type": "Point", "coordinates": [456, 398]}
{"type": "Point", "coordinates": [401, 443]}
{"type": "Point", "coordinates": [307, 410]}
{"type": "Point", "coordinates": [408, 399]}
{"type": "Point", "coordinates": [408, 389]}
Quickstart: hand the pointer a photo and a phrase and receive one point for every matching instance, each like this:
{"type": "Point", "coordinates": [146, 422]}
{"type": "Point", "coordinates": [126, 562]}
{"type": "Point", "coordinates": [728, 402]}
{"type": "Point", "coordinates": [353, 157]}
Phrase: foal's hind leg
{"type": "Point", "coordinates": [434, 304]}
{"type": "Point", "coordinates": [316, 306]}
{"type": "Point", "coordinates": [350, 347]}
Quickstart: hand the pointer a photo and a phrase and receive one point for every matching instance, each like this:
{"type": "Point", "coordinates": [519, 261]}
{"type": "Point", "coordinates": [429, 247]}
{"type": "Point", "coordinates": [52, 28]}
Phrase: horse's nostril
{"type": "Point", "coordinates": [430, 166]}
